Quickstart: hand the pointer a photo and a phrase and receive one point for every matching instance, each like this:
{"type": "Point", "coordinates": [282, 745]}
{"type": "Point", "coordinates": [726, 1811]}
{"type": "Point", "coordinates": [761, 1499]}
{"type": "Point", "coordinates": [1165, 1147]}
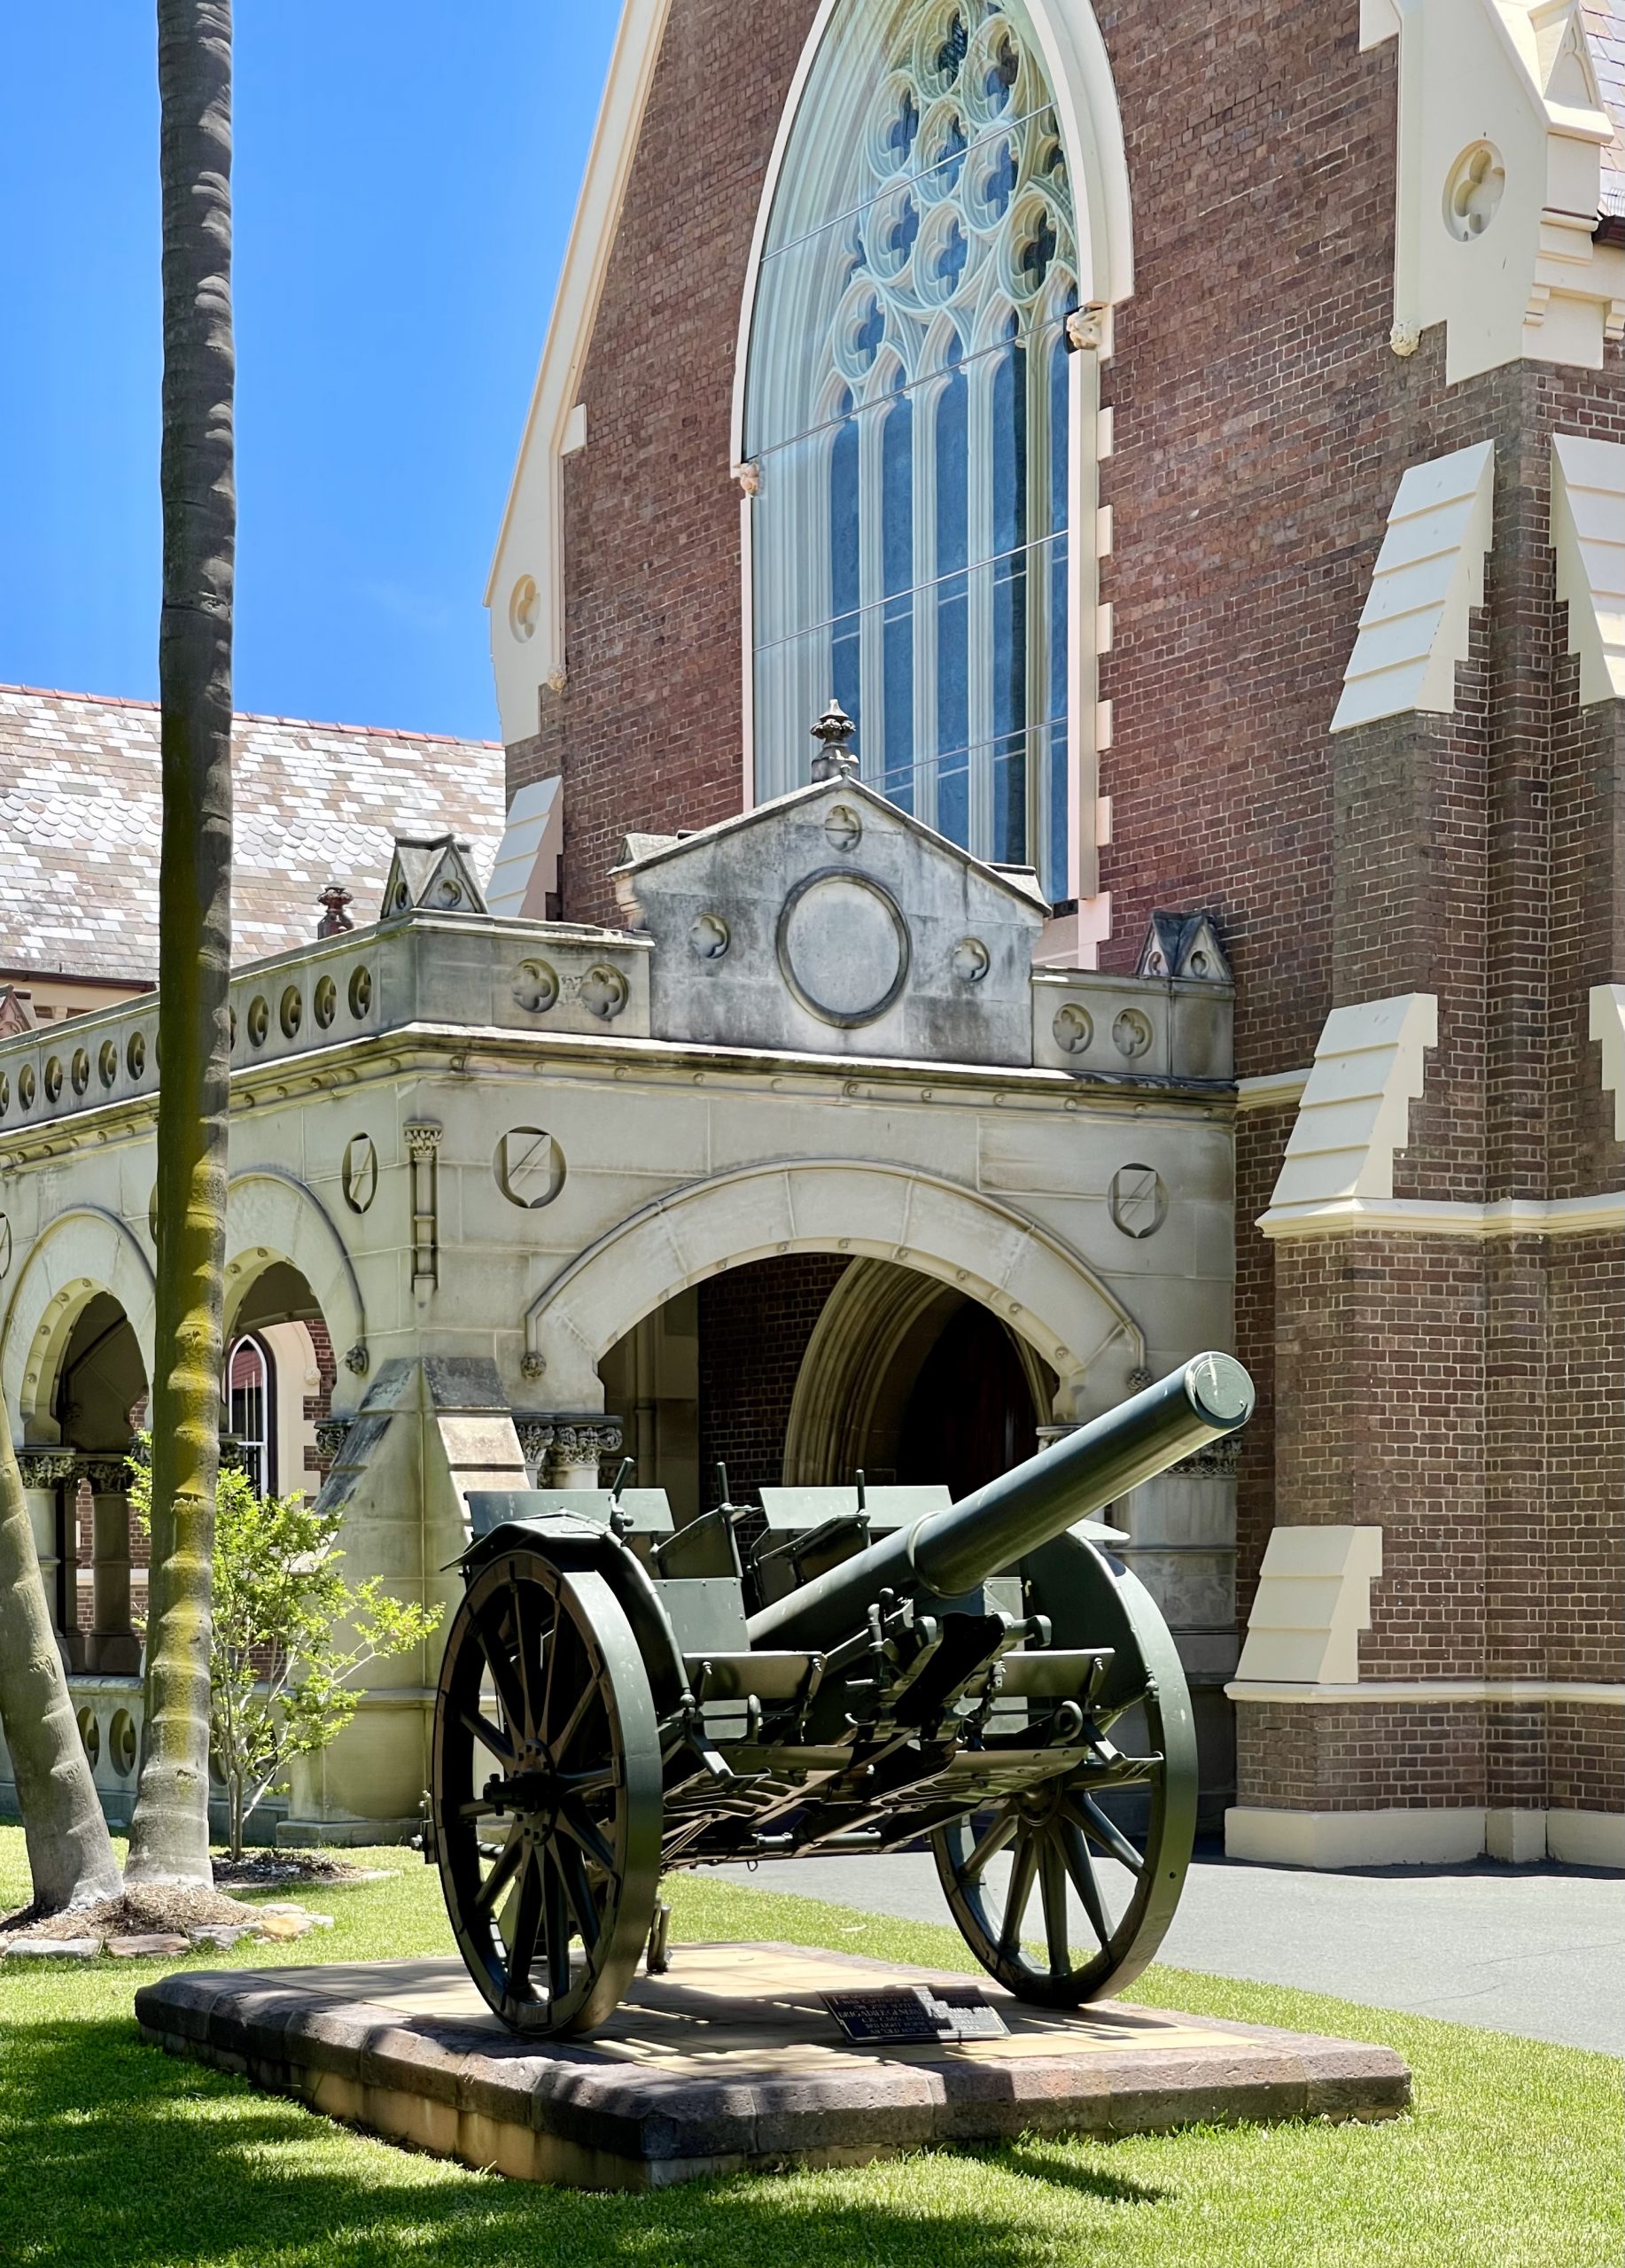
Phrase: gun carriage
{"type": "Point", "coordinates": [620, 1697]}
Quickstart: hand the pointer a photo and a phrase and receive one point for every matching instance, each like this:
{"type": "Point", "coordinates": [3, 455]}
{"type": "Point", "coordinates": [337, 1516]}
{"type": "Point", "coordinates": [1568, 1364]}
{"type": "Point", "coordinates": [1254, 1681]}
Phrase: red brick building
{"type": "Point", "coordinates": [1191, 444]}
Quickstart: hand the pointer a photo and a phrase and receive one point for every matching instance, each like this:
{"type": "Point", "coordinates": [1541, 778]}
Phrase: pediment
{"type": "Point", "coordinates": [830, 920]}
{"type": "Point", "coordinates": [431, 873]}
{"type": "Point", "coordinates": [1185, 948]}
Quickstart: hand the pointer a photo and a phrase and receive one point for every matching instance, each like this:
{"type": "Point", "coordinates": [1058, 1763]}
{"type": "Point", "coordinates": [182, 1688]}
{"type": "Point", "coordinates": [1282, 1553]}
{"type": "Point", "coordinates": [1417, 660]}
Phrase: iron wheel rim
{"type": "Point", "coordinates": [546, 1793]}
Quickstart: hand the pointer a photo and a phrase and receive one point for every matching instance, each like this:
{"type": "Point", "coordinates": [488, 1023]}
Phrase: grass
{"type": "Point", "coordinates": [113, 2152]}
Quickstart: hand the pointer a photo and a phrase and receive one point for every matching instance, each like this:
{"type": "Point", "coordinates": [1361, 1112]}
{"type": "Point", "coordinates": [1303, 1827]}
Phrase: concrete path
{"type": "Point", "coordinates": [1535, 1950]}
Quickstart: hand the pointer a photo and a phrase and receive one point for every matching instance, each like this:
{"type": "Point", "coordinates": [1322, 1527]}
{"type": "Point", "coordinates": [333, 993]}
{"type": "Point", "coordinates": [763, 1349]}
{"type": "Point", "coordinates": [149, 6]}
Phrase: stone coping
{"type": "Point", "coordinates": [730, 2061]}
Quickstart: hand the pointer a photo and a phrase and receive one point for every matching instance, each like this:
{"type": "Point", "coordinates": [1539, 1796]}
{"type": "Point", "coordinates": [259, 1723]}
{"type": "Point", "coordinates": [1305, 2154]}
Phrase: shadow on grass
{"type": "Point", "coordinates": [111, 2150]}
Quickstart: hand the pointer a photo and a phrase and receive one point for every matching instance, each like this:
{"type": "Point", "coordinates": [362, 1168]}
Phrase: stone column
{"type": "Point", "coordinates": [115, 1650]}
{"type": "Point", "coordinates": [44, 1473]}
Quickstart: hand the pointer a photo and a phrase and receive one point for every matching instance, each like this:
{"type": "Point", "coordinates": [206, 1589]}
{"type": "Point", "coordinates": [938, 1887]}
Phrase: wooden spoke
{"type": "Point", "coordinates": [493, 1648]}
{"type": "Point", "coordinates": [588, 1783]}
{"type": "Point", "coordinates": [1053, 1883]}
{"type": "Point", "coordinates": [527, 1918]}
{"type": "Point", "coordinates": [1080, 1866]}
{"type": "Point", "coordinates": [578, 1890]}
{"type": "Point", "coordinates": [560, 1748]}
{"type": "Point", "coordinates": [1024, 1869]}
{"type": "Point", "coordinates": [557, 1922]}
{"type": "Point", "coordinates": [503, 1872]}
{"type": "Point", "coordinates": [992, 1844]}
{"type": "Point", "coordinates": [487, 1735]}
{"type": "Point", "coordinates": [573, 1822]}
{"type": "Point", "coordinates": [1085, 1813]}
{"type": "Point", "coordinates": [527, 1653]}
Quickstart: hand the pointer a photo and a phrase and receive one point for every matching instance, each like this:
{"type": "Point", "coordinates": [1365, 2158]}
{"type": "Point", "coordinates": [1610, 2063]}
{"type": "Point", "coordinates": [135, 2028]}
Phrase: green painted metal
{"type": "Point", "coordinates": [987, 1677]}
{"type": "Point", "coordinates": [547, 1777]}
{"type": "Point", "coordinates": [1106, 1845]}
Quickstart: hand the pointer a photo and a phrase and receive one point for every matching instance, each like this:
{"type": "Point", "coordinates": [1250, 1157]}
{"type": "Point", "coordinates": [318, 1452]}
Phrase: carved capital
{"type": "Point", "coordinates": [749, 475]}
{"type": "Point", "coordinates": [331, 1434]}
{"type": "Point", "coordinates": [533, 1366]}
{"type": "Point", "coordinates": [45, 1468]}
{"type": "Point", "coordinates": [1086, 327]}
{"type": "Point", "coordinates": [581, 1441]}
{"type": "Point", "coordinates": [536, 1436]}
{"type": "Point", "coordinates": [423, 1139]}
{"type": "Point", "coordinates": [1139, 1378]}
{"type": "Point", "coordinates": [108, 1476]}
{"type": "Point", "coordinates": [357, 1359]}
{"type": "Point", "coordinates": [1215, 1460]}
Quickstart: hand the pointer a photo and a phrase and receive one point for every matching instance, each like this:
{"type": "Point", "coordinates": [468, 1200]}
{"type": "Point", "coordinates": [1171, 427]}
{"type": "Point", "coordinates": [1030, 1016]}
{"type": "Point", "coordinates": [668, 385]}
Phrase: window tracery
{"type": "Point", "coordinates": [908, 414]}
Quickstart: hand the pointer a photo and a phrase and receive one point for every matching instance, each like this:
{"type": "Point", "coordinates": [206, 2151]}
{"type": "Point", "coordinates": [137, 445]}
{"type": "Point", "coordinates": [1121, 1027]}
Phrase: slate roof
{"type": "Point", "coordinates": [79, 825]}
{"type": "Point", "coordinates": [1604, 24]}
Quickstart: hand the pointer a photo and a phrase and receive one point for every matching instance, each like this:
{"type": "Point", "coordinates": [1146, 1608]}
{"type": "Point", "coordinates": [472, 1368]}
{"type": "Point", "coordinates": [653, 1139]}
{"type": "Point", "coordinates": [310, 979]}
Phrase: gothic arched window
{"type": "Point", "coordinates": [248, 1394]}
{"type": "Point", "coordinates": [907, 413]}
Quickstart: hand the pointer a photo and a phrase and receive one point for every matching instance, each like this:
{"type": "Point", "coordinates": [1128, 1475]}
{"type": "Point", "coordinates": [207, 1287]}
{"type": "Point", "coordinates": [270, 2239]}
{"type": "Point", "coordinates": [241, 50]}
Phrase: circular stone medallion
{"type": "Point", "coordinates": [843, 947]}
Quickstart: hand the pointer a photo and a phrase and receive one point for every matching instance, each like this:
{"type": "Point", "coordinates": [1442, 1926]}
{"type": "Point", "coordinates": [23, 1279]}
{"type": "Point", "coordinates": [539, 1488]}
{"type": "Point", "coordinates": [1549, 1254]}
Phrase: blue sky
{"type": "Point", "coordinates": [404, 179]}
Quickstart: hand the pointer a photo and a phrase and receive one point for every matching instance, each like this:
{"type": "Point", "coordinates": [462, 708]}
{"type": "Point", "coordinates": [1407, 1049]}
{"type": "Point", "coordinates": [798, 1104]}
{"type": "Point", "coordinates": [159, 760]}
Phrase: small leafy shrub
{"type": "Point", "coordinates": [290, 1635]}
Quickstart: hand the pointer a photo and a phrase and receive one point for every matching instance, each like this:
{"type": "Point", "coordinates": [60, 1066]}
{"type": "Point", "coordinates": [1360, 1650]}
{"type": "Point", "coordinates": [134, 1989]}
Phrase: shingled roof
{"type": "Point", "coordinates": [79, 825]}
{"type": "Point", "coordinates": [1605, 25]}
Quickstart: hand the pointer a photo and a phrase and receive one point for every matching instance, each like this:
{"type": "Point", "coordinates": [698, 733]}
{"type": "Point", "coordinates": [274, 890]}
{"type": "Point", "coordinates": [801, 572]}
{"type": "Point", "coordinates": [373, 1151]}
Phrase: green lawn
{"type": "Point", "coordinates": [113, 2153]}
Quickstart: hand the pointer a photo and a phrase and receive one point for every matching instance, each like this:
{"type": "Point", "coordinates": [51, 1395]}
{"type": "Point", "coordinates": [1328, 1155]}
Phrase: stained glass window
{"type": "Point", "coordinates": [908, 412]}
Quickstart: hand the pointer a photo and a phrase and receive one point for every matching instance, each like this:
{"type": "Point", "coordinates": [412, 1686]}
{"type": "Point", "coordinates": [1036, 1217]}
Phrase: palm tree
{"type": "Point", "coordinates": [70, 1855]}
{"type": "Point", "coordinates": [169, 1833]}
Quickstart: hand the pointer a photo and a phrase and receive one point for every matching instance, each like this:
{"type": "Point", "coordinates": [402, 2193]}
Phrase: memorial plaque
{"type": "Point", "coordinates": [915, 2013]}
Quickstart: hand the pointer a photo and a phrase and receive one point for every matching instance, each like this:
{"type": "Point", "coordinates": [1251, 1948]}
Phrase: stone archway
{"type": "Point", "coordinates": [1043, 1290]}
{"type": "Point", "coordinates": [863, 1355]}
{"type": "Point", "coordinates": [82, 1253]}
{"type": "Point", "coordinates": [272, 1219]}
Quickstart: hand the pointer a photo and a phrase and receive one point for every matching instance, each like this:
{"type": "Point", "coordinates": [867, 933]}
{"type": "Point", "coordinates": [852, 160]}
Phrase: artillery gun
{"type": "Point", "coordinates": [620, 1697]}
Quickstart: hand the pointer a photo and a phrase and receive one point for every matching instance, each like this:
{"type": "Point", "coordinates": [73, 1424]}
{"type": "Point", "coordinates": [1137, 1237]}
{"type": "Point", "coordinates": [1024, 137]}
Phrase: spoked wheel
{"type": "Point", "coordinates": [1097, 1857]}
{"type": "Point", "coordinates": [546, 1793]}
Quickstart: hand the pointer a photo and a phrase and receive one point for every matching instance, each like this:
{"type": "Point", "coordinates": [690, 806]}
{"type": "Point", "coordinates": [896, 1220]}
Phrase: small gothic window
{"type": "Point", "coordinates": [907, 407]}
{"type": "Point", "coordinates": [248, 1399]}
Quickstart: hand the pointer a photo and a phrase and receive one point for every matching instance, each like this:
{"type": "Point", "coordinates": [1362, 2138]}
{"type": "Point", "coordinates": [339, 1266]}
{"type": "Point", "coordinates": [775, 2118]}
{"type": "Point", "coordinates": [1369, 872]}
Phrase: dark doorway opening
{"type": "Point", "coordinates": [969, 1413]}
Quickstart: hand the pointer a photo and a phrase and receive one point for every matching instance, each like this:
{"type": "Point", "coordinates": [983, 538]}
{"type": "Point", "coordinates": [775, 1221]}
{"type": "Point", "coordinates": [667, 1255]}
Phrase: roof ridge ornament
{"type": "Point", "coordinates": [335, 920]}
{"type": "Point", "coordinates": [834, 731]}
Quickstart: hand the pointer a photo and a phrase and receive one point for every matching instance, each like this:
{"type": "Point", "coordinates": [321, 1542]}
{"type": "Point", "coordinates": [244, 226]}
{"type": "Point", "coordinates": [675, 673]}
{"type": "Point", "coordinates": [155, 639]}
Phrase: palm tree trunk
{"type": "Point", "coordinates": [70, 1855]}
{"type": "Point", "coordinates": [169, 1834]}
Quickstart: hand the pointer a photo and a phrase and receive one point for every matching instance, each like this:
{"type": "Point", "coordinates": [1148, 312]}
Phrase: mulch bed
{"type": "Point", "coordinates": [136, 1913]}
{"type": "Point", "coordinates": [272, 1869]}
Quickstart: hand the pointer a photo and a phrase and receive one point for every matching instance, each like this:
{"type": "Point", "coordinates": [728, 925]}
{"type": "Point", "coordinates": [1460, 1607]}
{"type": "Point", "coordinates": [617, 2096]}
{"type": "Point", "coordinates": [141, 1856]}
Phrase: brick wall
{"type": "Point", "coordinates": [1465, 1396]}
{"type": "Point", "coordinates": [1412, 1756]}
{"type": "Point", "coordinates": [647, 729]}
{"type": "Point", "coordinates": [755, 1323]}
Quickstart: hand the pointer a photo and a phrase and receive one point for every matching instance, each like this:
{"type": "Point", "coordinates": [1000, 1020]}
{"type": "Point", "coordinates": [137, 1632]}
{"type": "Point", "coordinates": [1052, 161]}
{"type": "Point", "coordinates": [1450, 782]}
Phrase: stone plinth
{"type": "Point", "coordinates": [731, 2060]}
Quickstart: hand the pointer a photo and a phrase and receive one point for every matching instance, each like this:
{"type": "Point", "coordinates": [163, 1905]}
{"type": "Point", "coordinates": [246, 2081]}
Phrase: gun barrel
{"type": "Point", "coordinates": [944, 1555]}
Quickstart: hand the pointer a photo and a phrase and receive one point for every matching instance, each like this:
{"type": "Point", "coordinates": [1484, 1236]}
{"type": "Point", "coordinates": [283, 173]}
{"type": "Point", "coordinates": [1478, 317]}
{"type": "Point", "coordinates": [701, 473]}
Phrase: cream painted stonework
{"type": "Point", "coordinates": [1501, 134]}
{"type": "Point", "coordinates": [494, 1148]}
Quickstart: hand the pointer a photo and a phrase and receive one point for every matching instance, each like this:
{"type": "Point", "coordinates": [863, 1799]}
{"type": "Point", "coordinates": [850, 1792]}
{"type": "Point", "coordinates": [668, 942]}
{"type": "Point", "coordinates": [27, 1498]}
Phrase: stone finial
{"type": "Point", "coordinates": [334, 919]}
{"type": "Point", "coordinates": [835, 759]}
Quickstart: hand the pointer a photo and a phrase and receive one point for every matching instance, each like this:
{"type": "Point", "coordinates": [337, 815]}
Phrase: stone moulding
{"type": "Point", "coordinates": [1026, 1276]}
{"type": "Point", "coordinates": [1356, 1109]}
{"type": "Point", "coordinates": [1602, 1215]}
{"type": "Point", "coordinates": [1313, 1601]}
{"type": "Point", "coordinates": [1607, 1029]}
{"type": "Point", "coordinates": [1442, 1692]}
{"type": "Point", "coordinates": [1428, 578]}
{"type": "Point", "coordinates": [1501, 133]}
{"type": "Point", "coordinates": [1588, 534]}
